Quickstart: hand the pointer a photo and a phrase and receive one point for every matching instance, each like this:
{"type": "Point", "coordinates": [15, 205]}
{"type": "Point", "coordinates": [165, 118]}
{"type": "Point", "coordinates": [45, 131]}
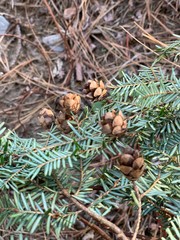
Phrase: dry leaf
{"type": "Point", "coordinates": [69, 13]}
{"type": "Point", "coordinates": [89, 235]}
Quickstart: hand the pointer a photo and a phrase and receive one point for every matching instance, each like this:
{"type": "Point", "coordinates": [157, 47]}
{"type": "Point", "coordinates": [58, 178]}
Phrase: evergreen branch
{"type": "Point", "coordinates": [139, 199]}
{"type": "Point", "coordinates": [174, 231]}
{"type": "Point", "coordinates": [100, 219]}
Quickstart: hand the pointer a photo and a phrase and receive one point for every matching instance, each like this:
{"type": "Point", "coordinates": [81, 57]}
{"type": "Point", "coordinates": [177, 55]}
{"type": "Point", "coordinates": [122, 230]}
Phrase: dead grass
{"type": "Point", "coordinates": [100, 38]}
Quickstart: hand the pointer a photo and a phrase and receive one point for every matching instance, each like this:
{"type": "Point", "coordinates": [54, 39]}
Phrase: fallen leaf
{"type": "Point", "coordinates": [69, 13]}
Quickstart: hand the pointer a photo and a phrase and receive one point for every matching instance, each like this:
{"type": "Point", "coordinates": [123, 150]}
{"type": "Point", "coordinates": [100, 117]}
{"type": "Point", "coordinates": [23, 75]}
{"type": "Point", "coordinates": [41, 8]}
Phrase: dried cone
{"type": "Point", "coordinates": [131, 164]}
{"type": "Point", "coordinates": [46, 118]}
{"type": "Point", "coordinates": [61, 122]}
{"type": "Point", "coordinates": [70, 103]}
{"type": "Point", "coordinates": [95, 90]}
{"type": "Point", "coordinates": [113, 124]}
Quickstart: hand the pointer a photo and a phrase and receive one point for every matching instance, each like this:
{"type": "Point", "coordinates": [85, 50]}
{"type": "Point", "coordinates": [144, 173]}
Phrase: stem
{"type": "Point", "coordinates": [96, 228]}
{"type": "Point", "coordinates": [119, 233]}
{"type": "Point", "coordinates": [151, 187]}
{"type": "Point", "coordinates": [100, 219]}
{"type": "Point", "coordinates": [136, 189]}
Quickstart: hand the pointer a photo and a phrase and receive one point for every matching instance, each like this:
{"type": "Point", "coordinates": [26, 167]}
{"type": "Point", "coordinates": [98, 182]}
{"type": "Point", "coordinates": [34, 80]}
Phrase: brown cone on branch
{"type": "Point", "coordinates": [95, 90]}
{"type": "Point", "coordinates": [131, 164]}
{"type": "Point", "coordinates": [69, 103]}
{"type": "Point", "coordinates": [114, 123]}
{"type": "Point", "coordinates": [46, 118]}
{"type": "Point", "coordinates": [61, 122]}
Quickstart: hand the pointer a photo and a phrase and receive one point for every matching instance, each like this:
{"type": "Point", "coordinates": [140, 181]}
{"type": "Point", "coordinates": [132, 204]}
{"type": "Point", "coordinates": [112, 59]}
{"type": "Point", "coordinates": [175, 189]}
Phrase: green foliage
{"type": "Point", "coordinates": [34, 172]}
{"type": "Point", "coordinates": [173, 230]}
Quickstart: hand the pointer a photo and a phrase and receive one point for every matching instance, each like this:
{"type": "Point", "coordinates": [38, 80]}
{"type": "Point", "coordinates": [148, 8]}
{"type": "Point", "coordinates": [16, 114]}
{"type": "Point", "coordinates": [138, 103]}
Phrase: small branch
{"type": "Point", "coordinates": [105, 193]}
{"type": "Point", "coordinates": [96, 228]}
{"type": "Point", "coordinates": [95, 216]}
{"type": "Point", "coordinates": [136, 189]}
{"type": "Point", "coordinates": [151, 187]}
{"type": "Point", "coordinates": [100, 219]}
{"type": "Point", "coordinates": [139, 197]}
{"type": "Point", "coordinates": [63, 35]}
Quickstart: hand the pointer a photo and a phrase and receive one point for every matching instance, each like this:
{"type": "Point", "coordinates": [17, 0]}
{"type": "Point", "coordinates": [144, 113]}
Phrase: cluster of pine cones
{"type": "Point", "coordinates": [69, 105]}
{"type": "Point", "coordinates": [66, 105]}
{"type": "Point", "coordinates": [112, 123]}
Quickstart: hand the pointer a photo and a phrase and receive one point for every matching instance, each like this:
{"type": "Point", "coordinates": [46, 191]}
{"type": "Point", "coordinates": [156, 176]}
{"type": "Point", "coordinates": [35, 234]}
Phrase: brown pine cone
{"type": "Point", "coordinates": [46, 118]}
{"type": "Point", "coordinates": [113, 123]}
{"type": "Point", "coordinates": [69, 103]}
{"type": "Point", "coordinates": [61, 122]}
{"type": "Point", "coordinates": [95, 90]}
{"type": "Point", "coordinates": [131, 164]}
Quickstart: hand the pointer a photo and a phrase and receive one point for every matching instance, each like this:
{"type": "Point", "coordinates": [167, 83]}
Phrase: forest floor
{"type": "Point", "coordinates": [52, 47]}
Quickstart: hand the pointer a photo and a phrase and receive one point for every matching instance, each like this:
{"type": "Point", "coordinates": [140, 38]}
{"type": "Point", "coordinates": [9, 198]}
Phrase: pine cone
{"type": "Point", "coordinates": [69, 103]}
{"type": "Point", "coordinates": [114, 124]}
{"type": "Point", "coordinates": [131, 164]}
{"type": "Point", "coordinates": [95, 90]}
{"type": "Point", "coordinates": [46, 118]}
{"type": "Point", "coordinates": [61, 122]}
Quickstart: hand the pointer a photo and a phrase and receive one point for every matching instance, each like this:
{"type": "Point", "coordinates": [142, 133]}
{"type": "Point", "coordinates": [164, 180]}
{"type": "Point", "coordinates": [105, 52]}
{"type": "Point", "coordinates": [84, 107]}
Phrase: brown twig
{"type": "Point", "coordinates": [139, 198]}
{"type": "Point", "coordinates": [173, 63]}
{"type": "Point", "coordinates": [96, 228]}
{"type": "Point", "coordinates": [151, 187]}
{"type": "Point", "coordinates": [100, 219]}
{"type": "Point", "coordinates": [23, 64]}
{"type": "Point", "coordinates": [136, 189]}
{"type": "Point", "coordinates": [142, 237]}
{"type": "Point", "coordinates": [119, 233]}
{"type": "Point", "coordinates": [66, 45]}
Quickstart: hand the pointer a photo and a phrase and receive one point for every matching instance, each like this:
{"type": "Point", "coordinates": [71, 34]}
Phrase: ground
{"type": "Point", "coordinates": [52, 47]}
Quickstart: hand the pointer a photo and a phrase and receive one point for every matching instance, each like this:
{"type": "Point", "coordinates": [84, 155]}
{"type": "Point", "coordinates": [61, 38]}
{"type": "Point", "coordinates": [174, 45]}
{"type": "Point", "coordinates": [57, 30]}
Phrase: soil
{"type": "Point", "coordinates": [96, 39]}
